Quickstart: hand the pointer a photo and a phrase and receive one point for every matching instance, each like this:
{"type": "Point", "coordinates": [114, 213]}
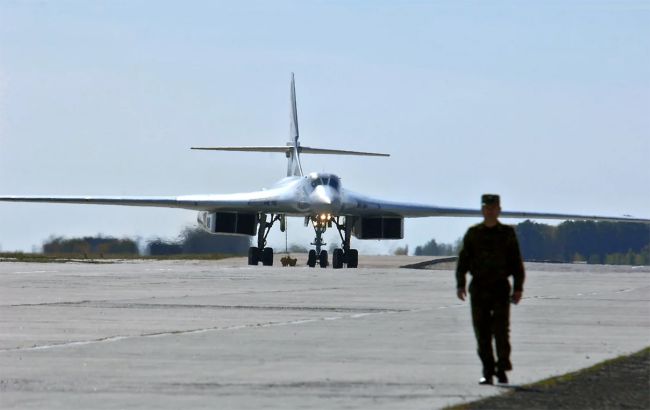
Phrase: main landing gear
{"type": "Point", "coordinates": [347, 256]}
{"type": "Point", "coordinates": [261, 253]}
{"type": "Point", "coordinates": [340, 256]}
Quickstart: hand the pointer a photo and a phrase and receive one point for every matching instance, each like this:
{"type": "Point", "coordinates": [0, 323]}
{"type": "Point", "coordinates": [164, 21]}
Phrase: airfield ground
{"type": "Point", "coordinates": [220, 334]}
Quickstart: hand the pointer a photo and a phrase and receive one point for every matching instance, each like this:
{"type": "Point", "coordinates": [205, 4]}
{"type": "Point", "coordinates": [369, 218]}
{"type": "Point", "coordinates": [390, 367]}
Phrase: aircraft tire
{"type": "Point", "coordinates": [253, 256]}
{"type": "Point", "coordinates": [311, 258]}
{"type": "Point", "coordinates": [353, 258]}
{"type": "Point", "coordinates": [267, 257]}
{"type": "Point", "coordinates": [322, 259]}
{"type": "Point", "coordinates": [337, 259]}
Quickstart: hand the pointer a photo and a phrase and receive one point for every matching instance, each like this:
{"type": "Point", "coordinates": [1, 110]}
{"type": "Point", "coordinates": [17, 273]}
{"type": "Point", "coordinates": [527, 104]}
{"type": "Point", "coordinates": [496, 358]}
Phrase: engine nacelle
{"type": "Point", "coordinates": [379, 228]}
{"type": "Point", "coordinates": [228, 222]}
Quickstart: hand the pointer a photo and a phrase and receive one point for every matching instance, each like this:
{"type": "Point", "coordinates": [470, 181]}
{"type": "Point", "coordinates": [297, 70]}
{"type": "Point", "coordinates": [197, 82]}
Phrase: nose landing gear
{"type": "Point", "coordinates": [320, 223]}
{"type": "Point", "coordinates": [340, 256]}
{"type": "Point", "coordinates": [321, 258]}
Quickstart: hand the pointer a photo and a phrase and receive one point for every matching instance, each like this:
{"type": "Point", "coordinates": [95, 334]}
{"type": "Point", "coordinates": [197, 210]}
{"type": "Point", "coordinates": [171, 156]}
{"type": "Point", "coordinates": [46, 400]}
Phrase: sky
{"type": "Point", "coordinates": [547, 104]}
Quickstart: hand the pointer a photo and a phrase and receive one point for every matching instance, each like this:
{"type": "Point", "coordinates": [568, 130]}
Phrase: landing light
{"type": "Point", "coordinates": [321, 220]}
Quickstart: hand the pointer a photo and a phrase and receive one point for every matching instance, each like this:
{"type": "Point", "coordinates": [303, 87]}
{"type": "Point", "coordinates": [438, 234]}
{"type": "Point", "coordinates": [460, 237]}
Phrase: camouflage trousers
{"type": "Point", "coordinates": [491, 320]}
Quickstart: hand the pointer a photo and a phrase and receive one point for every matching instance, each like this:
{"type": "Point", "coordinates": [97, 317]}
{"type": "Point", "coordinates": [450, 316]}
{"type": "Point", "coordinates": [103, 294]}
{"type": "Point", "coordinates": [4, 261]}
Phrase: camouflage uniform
{"type": "Point", "coordinates": [491, 255]}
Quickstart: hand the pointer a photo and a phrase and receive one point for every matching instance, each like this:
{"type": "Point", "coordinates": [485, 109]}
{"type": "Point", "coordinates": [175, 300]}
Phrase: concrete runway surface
{"type": "Point", "coordinates": [206, 334]}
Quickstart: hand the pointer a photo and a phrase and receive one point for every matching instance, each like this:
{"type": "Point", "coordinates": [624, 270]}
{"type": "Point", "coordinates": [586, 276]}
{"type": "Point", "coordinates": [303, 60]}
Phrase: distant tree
{"type": "Point", "coordinates": [298, 248]}
{"type": "Point", "coordinates": [432, 248]}
{"type": "Point", "coordinates": [537, 241]}
{"type": "Point", "coordinates": [90, 245]}
{"type": "Point", "coordinates": [639, 259]}
{"type": "Point", "coordinates": [458, 245]}
{"type": "Point", "coordinates": [611, 259]}
{"type": "Point", "coordinates": [594, 259]}
{"type": "Point", "coordinates": [159, 247]}
{"type": "Point", "coordinates": [196, 240]}
{"type": "Point", "coordinates": [402, 250]}
{"type": "Point", "coordinates": [602, 238]}
{"type": "Point", "coordinates": [599, 242]}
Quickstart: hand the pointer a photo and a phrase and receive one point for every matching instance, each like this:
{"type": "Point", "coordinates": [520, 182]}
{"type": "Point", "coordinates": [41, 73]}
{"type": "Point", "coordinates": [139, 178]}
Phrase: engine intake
{"type": "Point", "coordinates": [228, 222]}
{"type": "Point", "coordinates": [379, 228]}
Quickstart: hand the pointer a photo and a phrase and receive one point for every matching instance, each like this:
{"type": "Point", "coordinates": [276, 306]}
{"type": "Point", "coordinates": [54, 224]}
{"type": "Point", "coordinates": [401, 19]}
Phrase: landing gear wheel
{"type": "Point", "coordinates": [353, 258]}
{"type": "Point", "coordinates": [337, 259]}
{"type": "Point", "coordinates": [322, 259]}
{"type": "Point", "coordinates": [311, 258]}
{"type": "Point", "coordinates": [253, 256]}
{"type": "Point", "coordinates": [267, 257]}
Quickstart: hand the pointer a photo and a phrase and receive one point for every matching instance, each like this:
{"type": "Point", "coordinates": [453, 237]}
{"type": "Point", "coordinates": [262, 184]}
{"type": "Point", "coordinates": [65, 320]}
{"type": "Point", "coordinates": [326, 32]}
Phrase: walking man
{"type": "Point", "coordinates": [491, 254]}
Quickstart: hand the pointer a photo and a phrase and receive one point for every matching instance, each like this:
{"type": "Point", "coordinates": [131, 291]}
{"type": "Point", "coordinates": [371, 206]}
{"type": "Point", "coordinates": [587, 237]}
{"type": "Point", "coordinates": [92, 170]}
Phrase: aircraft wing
{"type": "Point", "coordinates": [275, 201]}
{"type": "Point", "coordinates": [260, 201]}
{"type": "Point", "coordinates": [358, 205]}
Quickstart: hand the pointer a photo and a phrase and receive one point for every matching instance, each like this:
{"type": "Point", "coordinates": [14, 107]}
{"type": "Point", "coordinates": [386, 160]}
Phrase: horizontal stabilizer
{"type": "Point", "coordinates": [249, 149]}
{"type": "Point", "coordinates": [301, 150]}
{"type": "Point", "coordinates": [308, 150]}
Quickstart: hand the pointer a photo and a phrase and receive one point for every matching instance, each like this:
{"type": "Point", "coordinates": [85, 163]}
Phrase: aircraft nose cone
{"type": "Point", "coordinates": [325, 199]}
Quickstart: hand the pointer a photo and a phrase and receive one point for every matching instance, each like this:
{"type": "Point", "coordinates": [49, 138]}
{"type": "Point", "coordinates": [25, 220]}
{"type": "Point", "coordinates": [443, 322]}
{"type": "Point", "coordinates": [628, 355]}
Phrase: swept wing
{"type": "Point", "coordinates": [259, 201]}
{"type": "Point", "coordinates": [363, 206]}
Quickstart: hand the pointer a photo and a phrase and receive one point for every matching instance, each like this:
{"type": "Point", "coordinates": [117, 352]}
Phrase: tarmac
{"type": "Point", "coordinates": [221, 334]}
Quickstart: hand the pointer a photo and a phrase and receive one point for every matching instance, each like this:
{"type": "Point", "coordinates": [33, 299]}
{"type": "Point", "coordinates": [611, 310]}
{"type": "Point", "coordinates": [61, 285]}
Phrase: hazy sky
{"type": "Point", "coordinates": [547, 104]}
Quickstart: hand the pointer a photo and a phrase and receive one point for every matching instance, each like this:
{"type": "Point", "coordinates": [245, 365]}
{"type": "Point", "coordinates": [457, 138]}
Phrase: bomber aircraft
{"type": "Point", "coordinates": [317, 197]}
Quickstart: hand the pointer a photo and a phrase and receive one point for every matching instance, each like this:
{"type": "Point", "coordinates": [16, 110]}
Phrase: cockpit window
{"type": "Point", "coordinates": [330, 180]}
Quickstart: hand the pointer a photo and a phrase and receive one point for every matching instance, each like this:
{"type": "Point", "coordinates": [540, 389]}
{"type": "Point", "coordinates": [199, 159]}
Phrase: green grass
{"type": "Point", "coordinates": [551, 382]}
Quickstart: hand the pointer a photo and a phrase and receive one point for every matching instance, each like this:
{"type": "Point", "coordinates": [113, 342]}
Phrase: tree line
{"type": "Point", "coordinates": [98, 245]}
{"type": "Point", "coordinates": [434, 248]}
{"type": "Point", "coordinates": [190, 241]}
{"type": "Point", "coordinates": [571, 241]}
{"type": "Point", "coordinates": [197, 241]}
{"type": "Point", "coordinates": [586, 241]}
{"type": "Point", "coordinates": [614, 243]}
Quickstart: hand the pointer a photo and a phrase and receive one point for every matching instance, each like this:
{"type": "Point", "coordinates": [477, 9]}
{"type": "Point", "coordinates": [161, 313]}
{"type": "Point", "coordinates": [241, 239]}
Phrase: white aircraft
{"type": "Point", "coordinates": [318, 197]}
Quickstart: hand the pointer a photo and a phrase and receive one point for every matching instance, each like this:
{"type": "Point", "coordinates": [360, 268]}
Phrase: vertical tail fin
{"type": "Point", "coordinates": [292, 149]}
{"type": "Point", "coordinates": [294, 167]}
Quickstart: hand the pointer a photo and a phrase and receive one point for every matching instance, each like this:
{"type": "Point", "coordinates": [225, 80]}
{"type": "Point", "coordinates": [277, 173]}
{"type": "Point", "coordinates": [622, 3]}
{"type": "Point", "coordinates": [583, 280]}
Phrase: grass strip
{"type": "Point", "coordinates": [622, 382]}
{"type": "Point", "coordinates": [98, 258]}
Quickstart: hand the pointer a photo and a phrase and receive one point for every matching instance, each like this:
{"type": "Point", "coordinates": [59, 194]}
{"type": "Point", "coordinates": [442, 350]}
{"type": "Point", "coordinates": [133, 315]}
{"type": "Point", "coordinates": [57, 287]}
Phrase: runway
{"type": "Point", "coordinates": [206, 334]}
